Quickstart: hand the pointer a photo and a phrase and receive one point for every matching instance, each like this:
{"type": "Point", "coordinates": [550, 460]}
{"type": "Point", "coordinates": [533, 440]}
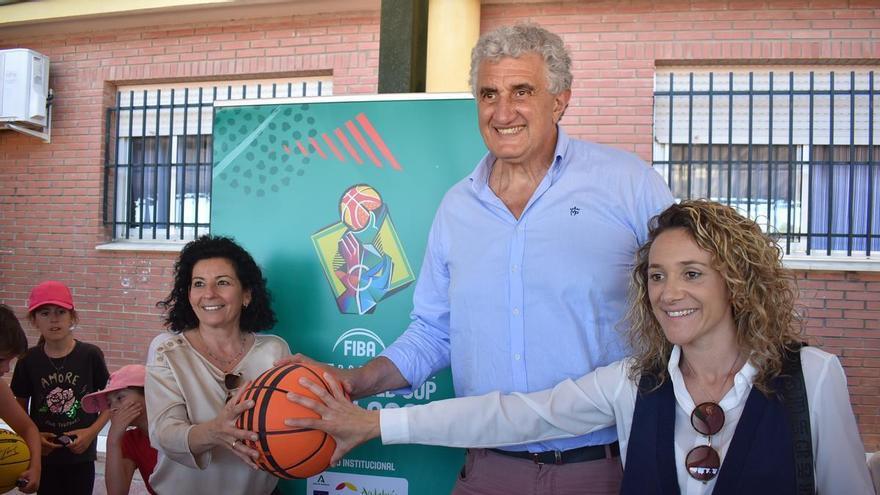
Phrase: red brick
{"type": "Point", "coordinates": [845, 304]}
{"type": "Point", "coordinates": [824, 313]}
{"type": "Point", "coordinates": [864, 296]}
{"type": "Point", "coordinates": [847, 286]}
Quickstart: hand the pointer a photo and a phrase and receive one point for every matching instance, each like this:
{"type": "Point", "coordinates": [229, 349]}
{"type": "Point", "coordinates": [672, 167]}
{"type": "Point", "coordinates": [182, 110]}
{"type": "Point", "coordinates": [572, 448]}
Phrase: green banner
{"type": "Point", "coordinates": [334, 198]}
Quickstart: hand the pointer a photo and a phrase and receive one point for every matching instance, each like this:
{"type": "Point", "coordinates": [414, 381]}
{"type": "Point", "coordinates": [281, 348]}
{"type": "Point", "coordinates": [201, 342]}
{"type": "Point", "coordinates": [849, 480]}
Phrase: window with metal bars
{"type": "Point", "coordinates": [794, 150]}
{"type": "Point", "coordinates": [159, 159]}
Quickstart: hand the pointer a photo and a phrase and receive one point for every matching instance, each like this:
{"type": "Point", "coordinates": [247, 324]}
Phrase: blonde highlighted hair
{"type": "Point", "coordinates": [762, 292]}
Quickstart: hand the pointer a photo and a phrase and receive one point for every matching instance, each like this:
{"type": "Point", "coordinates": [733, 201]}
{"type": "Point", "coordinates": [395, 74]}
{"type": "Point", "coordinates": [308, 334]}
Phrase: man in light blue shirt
{"type": "Point", "coordinates": [525, 275]}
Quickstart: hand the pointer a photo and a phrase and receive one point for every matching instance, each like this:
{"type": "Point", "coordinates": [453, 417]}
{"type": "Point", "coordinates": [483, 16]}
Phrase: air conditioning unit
{"type": "Point", "coordinates": [24, 92]}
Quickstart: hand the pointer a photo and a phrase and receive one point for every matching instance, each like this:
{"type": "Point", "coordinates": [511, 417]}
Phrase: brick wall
{"type": "Point", "coordinates": [842, 315]}
{"type": "Point", "coordinates": [50, 195]}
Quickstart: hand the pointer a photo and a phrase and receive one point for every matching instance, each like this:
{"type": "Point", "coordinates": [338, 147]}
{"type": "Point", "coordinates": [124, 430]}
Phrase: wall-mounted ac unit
{"type": "Point", "coordinates": [24, 91]}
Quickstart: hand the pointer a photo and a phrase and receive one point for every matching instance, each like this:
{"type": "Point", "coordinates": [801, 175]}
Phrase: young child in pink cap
{"type": "Point", "coordinates": [50, 381]}
{"type": "Point", "coordinates": [128, 442]}
{"type": "Point", "coordinates": [13, 343]}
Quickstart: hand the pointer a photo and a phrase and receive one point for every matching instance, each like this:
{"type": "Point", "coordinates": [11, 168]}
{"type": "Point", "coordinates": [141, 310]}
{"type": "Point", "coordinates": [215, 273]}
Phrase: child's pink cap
{"type": "Point", "coordinates": [132, 375]}
{"type": "Point", "coordinates": [50, 292]}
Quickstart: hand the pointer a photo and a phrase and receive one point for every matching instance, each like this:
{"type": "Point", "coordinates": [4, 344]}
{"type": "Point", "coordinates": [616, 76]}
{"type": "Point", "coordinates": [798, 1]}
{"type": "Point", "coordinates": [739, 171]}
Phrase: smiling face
{"type": "Point", "coordinates": [53, 322]}
{"type": "Point", "coordinates": [689, 298]}
{"type": "Point", "coordinates": [216, 294]}
{"type": "Point", "coordinates": [516, 112]}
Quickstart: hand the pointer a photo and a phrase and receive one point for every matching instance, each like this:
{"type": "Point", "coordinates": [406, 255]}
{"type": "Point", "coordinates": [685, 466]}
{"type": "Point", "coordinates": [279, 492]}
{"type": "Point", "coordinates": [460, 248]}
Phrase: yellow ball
{"type": "Point", "coordinates": [14, 459]}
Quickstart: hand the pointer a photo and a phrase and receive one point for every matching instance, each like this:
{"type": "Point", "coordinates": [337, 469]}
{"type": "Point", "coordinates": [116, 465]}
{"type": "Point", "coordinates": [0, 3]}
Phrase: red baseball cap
{"type": "Point", "coordinates": [131, 375]}
{"type": "Point", "coordinates": [50, 292]}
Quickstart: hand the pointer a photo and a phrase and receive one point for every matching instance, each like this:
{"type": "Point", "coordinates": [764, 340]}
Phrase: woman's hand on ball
{"type": "Point", "coordinates": [347, 423]}
{"type": "Point", "coordinates": [225, 434]}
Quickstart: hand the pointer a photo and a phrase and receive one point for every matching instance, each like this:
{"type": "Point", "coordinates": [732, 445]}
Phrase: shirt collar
{"type": "Point", "coordinates": [479, 178]}
{"type": "Point", "coordinates": [742, 384]}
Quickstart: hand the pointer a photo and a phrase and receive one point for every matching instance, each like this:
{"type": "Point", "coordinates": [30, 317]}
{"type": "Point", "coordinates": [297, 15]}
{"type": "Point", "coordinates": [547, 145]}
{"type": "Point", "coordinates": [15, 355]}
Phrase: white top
{"type": "Point", "coordinates": [606, 397]}
{"type": "Point", "coordinates": [183, 389]}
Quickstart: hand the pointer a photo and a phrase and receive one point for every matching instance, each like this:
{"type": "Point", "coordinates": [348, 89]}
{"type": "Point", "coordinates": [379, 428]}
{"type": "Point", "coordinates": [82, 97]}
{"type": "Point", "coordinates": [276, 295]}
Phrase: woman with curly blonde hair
{"type": "Point", "coordinates": [719, 397]}
{"type": "Point", "coordinates": [762, 292]}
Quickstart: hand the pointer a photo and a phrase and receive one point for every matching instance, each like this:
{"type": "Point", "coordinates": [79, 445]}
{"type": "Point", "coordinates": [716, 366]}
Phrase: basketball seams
{"type": "Point", "coordinates": [249, 415]}
{"type": "Point", "coordinates": [264, 440]}
{"type": "Point", "coordinates": [309, 457]}
{"type": "Point", "coordinates": [266, 391]}
{"type": "Point", "coordinates": [252, 393]}
{"type": "Point", "coordinates": [265, 456]}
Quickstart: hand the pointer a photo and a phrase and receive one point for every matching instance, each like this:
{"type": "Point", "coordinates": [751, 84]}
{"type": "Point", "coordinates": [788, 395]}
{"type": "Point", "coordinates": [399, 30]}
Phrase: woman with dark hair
{"type": "Point", "coordinates": [218, 303]}
{"type": "Point", "coordinates": [709, 401]}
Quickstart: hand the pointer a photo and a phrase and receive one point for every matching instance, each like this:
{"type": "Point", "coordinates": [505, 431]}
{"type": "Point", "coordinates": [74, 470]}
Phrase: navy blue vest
{"type": "Point", "coordinates": [759, 460]}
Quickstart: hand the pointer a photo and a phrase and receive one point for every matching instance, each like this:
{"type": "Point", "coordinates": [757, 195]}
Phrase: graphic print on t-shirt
{"type": "Point", "coordinates": [61, 406]}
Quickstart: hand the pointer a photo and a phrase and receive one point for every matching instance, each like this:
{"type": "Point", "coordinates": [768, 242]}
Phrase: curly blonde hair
{"type": "Point", "coordinates": [762, 293]}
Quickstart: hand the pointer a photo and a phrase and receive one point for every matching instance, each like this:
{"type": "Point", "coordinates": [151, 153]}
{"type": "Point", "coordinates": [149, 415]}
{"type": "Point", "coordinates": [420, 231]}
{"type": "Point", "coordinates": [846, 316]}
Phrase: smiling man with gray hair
{"type": "Point", "coordinates": [524, 278]}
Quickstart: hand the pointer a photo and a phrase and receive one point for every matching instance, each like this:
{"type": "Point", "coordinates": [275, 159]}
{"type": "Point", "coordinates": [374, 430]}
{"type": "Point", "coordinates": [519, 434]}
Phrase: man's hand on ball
{"type": "Point", "coordinates": [347, 423]}
{"type": "Point", "coordinates": [346, 377]}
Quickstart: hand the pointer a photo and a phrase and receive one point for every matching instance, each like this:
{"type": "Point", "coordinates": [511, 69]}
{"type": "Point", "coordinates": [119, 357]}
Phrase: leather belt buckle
{"type": "Point", "coordinates": [541, 458]}
{"type": "Point", "coordinates": [581, 454]}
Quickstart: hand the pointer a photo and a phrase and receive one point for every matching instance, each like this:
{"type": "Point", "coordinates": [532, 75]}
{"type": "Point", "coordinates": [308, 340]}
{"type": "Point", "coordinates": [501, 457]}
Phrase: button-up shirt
{"type": "Point", "coordinates": [607, 396]}
{"type": "Point", "coordinates": [520, 304]}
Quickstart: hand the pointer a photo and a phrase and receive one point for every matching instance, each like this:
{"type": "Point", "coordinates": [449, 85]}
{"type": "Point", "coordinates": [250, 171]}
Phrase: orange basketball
{"type": "Point", "coordinates": [284, 451]}
{"type": "Point", "coordinates": [356, 204]}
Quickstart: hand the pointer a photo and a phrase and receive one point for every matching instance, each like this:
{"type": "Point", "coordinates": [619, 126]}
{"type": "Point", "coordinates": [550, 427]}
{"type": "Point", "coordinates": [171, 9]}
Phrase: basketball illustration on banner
{"type": "Point", "coordinates": [14, 459]}
{"type": "Point", "coordinates": [357, 205]}
{"type": "Point", "coordinates": [335, 197]}
{"type": "Point", "coordinates": [361, 255]}
{"type": "Point", "coordinates": [284, 451]}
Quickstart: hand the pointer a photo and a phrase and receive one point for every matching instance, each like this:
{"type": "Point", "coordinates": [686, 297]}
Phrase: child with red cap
{"type": "Point", "coordinates": [50, 381]}
{"type": "Point", "coordinates": [128, 443]}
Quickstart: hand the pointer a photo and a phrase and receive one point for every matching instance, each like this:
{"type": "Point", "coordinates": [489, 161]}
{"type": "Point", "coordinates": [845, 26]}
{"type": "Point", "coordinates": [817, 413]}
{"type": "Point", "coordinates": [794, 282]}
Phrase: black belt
{"type": "Point", "coordinates": [583, 454]}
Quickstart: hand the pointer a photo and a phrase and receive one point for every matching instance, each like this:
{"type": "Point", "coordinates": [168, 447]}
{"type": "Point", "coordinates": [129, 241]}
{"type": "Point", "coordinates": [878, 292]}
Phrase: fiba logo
{"type": "Point", "coordinates": [359, 343]}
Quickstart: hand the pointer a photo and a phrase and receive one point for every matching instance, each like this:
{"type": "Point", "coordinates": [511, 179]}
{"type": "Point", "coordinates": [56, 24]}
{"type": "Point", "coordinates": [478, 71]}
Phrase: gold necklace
{"type": "Point", "coordinates": [723, 384]}
{"type": "Point", "coordinates": [63, 360]}
{"type": "Point", "coordinates": [224, 362]}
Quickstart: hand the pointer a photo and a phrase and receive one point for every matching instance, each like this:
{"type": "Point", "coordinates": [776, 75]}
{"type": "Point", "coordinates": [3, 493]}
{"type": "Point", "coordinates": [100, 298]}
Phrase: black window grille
{"type": "Point", "coordinates": [159, 159]}
{"type": "Point", "coordinates": [795, 151]}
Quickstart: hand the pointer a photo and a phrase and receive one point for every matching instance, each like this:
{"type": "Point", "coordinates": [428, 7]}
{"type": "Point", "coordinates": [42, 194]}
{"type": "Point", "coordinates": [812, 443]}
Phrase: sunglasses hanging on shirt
{"type": "Point", "coordinates": [703, 461]}
{"type": "Point", "coordinates": [231, 381]}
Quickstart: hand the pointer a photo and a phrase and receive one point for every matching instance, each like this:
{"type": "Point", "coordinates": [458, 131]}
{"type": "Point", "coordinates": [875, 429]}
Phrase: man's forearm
{"type": "Point", "coordinates": [378, 375]}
